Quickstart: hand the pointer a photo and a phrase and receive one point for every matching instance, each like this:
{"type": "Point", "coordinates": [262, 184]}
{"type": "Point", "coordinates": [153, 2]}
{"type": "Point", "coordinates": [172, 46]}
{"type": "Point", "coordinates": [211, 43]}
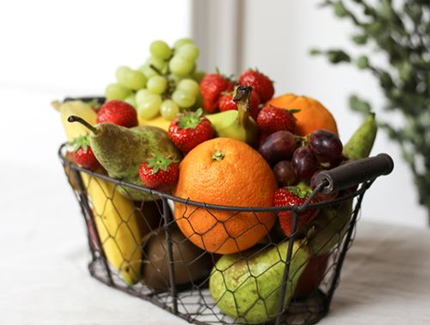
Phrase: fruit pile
{"type": "Point", "coordinates": [212, 139]}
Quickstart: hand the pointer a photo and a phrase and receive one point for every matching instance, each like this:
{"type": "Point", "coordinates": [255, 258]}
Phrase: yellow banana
{"type": "Point", "coordinates": [114, 215]}
{"type": "Point", "coordinates": [158, 122]}
{"type": "Point", "coordinates": [117, 227]}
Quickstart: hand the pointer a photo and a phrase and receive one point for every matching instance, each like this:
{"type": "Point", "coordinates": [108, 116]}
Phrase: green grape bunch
{"type": "Point", "coordinates": [400, 31]}
{"type": "Point", "coordinates": [165, 84]}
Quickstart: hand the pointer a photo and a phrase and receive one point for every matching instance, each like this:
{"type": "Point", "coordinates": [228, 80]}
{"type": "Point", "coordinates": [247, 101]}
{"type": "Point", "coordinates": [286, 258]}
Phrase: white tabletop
{"type": "Point", "coordinates": [44, 277]}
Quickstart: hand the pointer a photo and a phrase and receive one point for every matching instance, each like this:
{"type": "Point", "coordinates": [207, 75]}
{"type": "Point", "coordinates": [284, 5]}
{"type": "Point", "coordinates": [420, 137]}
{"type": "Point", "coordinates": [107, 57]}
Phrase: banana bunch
{"type": "Point", "coordinates": [114, 215]}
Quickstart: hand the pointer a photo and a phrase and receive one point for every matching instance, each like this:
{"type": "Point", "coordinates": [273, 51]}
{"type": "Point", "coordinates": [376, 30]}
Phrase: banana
{"type": "Point", "coordinates": [158, 122]}
{"type": "Point", "coordinates": [116, 223]}
{"type": "Point", "coordinates": [114, 215]}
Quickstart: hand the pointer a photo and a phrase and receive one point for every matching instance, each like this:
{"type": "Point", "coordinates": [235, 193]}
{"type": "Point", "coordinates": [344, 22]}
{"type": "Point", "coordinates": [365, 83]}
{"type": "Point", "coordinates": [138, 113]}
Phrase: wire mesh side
{"type": "Point", "coordinates": [173, 262]}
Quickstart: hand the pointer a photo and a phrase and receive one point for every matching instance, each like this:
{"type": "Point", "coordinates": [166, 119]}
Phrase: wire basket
{"type": "Point", "coordinates": [282, 280]}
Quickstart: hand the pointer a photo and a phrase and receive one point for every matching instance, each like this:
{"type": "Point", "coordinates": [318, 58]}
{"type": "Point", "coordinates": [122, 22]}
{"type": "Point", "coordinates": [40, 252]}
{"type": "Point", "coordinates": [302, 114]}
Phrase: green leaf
{"type": "Point", "coordinates": [362, 62]}
{"type": "Point", "coordinates": [338, 56]}
{"type": "Point", "coordinates": [360, 39]}
{"type": "Point", "coordinates": [359, 105]}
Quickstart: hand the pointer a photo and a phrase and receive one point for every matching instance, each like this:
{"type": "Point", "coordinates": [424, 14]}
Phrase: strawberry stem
{"type": "Point", "coordinates": [74, 118]}
{"type": "Point", "coordinates": [241, 97]}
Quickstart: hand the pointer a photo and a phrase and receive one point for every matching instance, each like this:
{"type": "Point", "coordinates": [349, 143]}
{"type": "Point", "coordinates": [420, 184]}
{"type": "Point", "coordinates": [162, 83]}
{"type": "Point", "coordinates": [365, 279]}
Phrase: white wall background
{"type": "Point", "coordinates": [52, 49]}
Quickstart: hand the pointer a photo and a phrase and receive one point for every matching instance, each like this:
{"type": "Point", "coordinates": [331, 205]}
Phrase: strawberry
{"type": "Point", "coordinates": [272, 119]}
{"type": "Point", "coordinates": [82, 154]}
{"type": "Point", "coordinates": [211, 87]}
{"type": "Point", "coordinates": [117, 112]}
{"type": "Point", "coordinates": [259, 82]}
{"type": "Point", "coordinates": [189, 129]}
{"type": "Point", "coordinates": [226, 103]}
{"type": "Point", "coordinates": [159, 173]}
{"type": "Point", "coordinates": [294, 196]}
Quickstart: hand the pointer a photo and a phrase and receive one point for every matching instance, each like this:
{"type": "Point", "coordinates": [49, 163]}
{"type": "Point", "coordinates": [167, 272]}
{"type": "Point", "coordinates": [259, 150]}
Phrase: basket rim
{"type": "Point", "coordinates": [165, 196]}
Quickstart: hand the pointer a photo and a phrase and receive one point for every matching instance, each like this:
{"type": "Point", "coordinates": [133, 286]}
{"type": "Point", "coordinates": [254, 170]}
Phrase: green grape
{"type": "Point", "coordinates": [180, 66]}
{"type": "Point", "coordinates": [132, 79]}
{"type": "Point", "coordinates": [159, 64]}
{"type": "Point", "coordinates": [131, 99]}
{"type": "Point", "coordinates": [169, 109]}
{"type": "Point", "coordinates": [188, 51]}
{"type": "Point", "coordinates": [161, 50]}
{"type": "Point", "coordinates": [189, 85]}
{"type": "Point", "coordinates": [181, 42]}
{"type": "Point", "coordinates": [116, 91]}
{"type": "Point", "coordinates": [183, 98]}
{"type": "Point", "coordinates": [141, 94]}
{"type": "Point", "coordinates": [147, 71]}
{"type": "Point", "coordinates": [157, 85]}
{"type": "Point", "coordinates": [122, 73]}
{"type": "Point", "coordinates": [149, 107]}
{"type": "Point", "coordinates": [198, 75]}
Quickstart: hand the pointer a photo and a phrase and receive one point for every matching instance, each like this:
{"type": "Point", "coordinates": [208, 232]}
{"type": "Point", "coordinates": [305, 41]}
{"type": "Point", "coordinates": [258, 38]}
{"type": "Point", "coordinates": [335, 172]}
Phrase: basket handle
{"type": "Point", "coordinates": [355, 172]}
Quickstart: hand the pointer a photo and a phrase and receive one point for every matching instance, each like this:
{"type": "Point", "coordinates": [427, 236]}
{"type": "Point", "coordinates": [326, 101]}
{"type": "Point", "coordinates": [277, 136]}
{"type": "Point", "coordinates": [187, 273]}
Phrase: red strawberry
{"type": "Point", "coordinates": [259, 82]}
{"type": "Point", "coordinates": [226, 103]}
{"type": "Point", "coordinates": [211, 87]}
{"type": "Point", "coordinates": [189, 129]}
{"type": "Point", "coordinates": [272, 119]}
{"type": "Point", "coordinates": [82, 154]}
{"type": "Point", "coordinates": [293, 196]}
{"type": "Point", "coordinates": [117, 112]}
{"type": "Point", "coordinates": [159, 173]}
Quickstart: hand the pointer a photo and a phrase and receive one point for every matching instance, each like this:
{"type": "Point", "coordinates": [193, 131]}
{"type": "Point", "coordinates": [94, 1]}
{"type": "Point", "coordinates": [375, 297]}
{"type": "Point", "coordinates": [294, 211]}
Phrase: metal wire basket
{"type": "Point", "coordinates": [176, 275]}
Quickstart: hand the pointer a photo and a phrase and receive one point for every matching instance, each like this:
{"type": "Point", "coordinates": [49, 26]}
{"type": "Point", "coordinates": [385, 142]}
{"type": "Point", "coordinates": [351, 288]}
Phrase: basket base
{"type": "Point", "coordinates": [197, 306]}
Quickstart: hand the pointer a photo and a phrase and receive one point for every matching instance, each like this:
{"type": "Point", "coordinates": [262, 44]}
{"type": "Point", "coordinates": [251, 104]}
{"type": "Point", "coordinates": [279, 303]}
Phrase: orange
{"type": "Point", "coordinates": [312, 116]}
{"type": "Point", "coordinates": [224, 171]}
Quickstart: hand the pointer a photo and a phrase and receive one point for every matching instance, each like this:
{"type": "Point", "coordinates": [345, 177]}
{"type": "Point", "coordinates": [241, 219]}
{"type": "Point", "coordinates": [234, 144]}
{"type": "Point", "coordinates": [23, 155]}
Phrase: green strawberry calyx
{"type": "Point", "coordinates": [190, 120]}
{"type": "Point", "coordinates": [82, 141]}
{"type": "Point", "coordinates": [302, 191]}
{"type": "Point", "coordinates": [159, 162]}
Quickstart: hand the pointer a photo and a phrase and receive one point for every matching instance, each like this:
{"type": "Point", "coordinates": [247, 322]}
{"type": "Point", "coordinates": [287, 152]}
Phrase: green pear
{"type": "Point", "coordinates": [361, 142]}
{"type": "Point", "coordinates": [329, 228]}
{"type": "Point", "coordinates": [122, 150]}
{"type": "Point", "coordinates": [247, 286]}
{"type": "Point", "coordinates": [236, 124]}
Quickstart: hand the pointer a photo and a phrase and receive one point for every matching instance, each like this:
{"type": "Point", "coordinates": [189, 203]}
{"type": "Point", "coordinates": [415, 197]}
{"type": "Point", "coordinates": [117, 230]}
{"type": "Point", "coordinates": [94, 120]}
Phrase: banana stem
{"type": "Point", "coordinates": [74, 118]}
{"type": "Point", "coordinates": [242, 99]}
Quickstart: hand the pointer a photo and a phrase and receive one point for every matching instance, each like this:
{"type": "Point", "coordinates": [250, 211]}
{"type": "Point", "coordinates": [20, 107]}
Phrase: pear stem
{"type": "Point", "coordinates": [74, 118]}
{"type": "Point", "coordinates": [242, 97]}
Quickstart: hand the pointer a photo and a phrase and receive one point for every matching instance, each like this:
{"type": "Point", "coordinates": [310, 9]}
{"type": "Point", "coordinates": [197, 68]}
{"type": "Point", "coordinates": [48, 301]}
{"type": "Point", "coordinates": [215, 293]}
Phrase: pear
{"type": "Point", "coordinates": [247, 286]}
{"type": "Point", "coordinates": [329, 228]}
{"type": "Point", "coordinates": [122, 150]}
{"type": "Point", "coordinates": [236, 124]}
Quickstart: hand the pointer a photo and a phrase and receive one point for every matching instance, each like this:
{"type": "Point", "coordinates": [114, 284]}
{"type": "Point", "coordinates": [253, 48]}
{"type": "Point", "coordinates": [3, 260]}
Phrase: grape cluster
{"type": "Point", "coordinates": [165, 84]}
{"type": "Point", "coordinates": [297, 159]}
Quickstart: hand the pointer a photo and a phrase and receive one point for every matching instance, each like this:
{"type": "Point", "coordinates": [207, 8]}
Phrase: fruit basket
{"type": "Point", "coordinates": [280, 280]}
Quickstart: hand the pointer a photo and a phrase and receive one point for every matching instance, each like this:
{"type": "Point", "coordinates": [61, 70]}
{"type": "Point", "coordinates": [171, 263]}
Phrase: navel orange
{"type": "Point", "coordinates": [312, 115]}
{"type": "Point", "coordinates": [224, 171]}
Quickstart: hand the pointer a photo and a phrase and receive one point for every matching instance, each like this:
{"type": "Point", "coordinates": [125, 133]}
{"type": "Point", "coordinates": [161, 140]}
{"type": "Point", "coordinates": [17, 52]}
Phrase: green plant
{"type": "Point", "coordinates": [399, 30]}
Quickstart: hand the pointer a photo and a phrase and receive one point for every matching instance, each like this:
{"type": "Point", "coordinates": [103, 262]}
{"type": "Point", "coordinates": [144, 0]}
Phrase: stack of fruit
{"type": "Point", "coordinates": [241, 148]}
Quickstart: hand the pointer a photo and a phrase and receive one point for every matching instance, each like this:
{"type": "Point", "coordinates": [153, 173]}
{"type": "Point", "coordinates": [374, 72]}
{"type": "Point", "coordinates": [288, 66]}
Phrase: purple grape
{"type": "Point", "coordinates": [326, 146]}
{"type": "Point", "coordinates": [284, 173]}
{"type": "Point", "coordinates": [278, 146]}
{"type": "Point", "coordinates": [304, 163]}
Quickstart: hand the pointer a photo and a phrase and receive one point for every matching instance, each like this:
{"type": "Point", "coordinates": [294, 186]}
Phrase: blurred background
{"type": "Point", "coordinates": [54, 49]}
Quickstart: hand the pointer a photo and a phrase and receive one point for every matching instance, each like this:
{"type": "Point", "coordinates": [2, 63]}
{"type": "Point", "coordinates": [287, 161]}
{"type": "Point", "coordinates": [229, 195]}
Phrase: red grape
{"type": "Point", "coordinates": [326, 146]}
{"type": "Point", "coordinates": [304, 163]}
{"type": "Point", "coordinates": [278, 146]}
{"type": "Point", "coordinates": [284, 173]}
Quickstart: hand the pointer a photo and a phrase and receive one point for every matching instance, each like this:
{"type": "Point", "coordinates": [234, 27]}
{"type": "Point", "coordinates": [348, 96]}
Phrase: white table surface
{"type": "Point", "coordinates": [44, 277]}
